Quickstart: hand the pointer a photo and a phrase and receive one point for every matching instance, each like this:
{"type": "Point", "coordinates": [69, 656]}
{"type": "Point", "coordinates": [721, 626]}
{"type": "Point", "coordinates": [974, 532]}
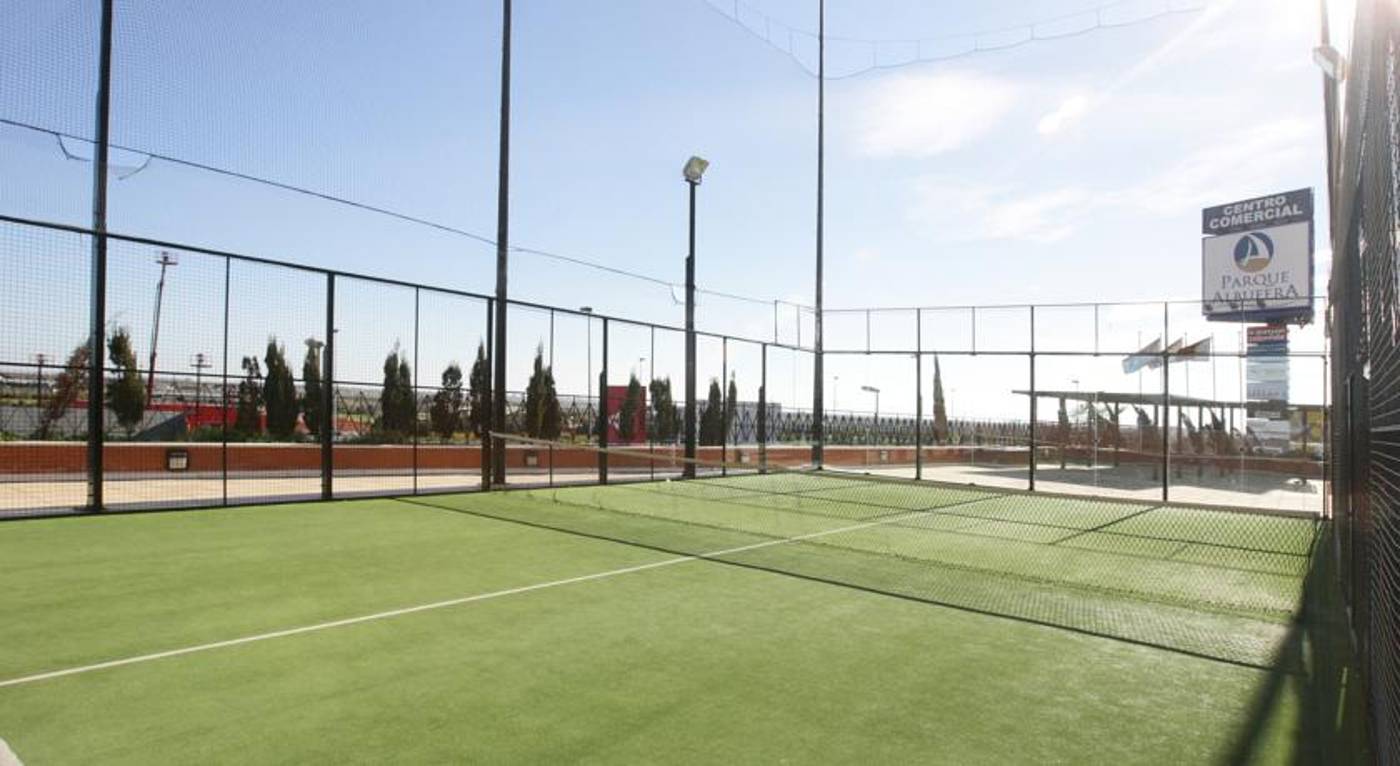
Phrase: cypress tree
{"type": "Point", "coordinates": [712, 420]}
{"type": "Point", "coordinates": [731, 408]}
{"type": "Point", "coordinates": [940, 410]}
{"type": "Point", "coordinates": [663, 411]}
{"type": "Point", "coordinates": [630, 409]}
{"type": "Point", "coordinates": [247, 418]}
{"type": "Point", "coordinates": [398, 410]}
{"type": "Point", "coordinates": [313, 410]}
{"type": "Point", "coordinates": [552, 422]}
{"type": "Point", "coordinates": [126, 394]}
{"type": "Point", "coordinates": [543, 416]}
{"type": "Point", "coordinates": [279, 392]}
{"type": "Point", "coordinates": [480, 384]}
{"type": "Point", "coordinates": [446, 412]}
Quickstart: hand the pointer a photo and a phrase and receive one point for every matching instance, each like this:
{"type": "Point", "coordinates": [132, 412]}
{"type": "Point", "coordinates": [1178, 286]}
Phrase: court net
{"type": "Point", "coordinates": [1223, 584]}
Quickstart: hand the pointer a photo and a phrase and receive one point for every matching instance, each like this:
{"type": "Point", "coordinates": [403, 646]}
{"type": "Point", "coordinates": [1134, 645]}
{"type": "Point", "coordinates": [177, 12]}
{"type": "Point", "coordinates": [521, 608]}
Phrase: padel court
{"type": "Point", "coordinates": [790, 617]}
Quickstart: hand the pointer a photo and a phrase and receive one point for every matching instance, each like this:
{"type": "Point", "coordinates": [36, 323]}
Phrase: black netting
{"type": "Point", "coordinates": [1365, 337]}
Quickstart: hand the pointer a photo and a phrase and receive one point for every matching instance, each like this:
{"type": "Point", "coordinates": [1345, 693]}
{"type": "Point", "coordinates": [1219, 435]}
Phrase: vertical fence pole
{"type": "Point", "coordinates": [918, 394]}
{"type": "Point", "coordinates": [417, 362]}
{"type": "Point", "coordinates": [490, 398]}
{"type": "Point", "coordinates": [763, 409]}
{"type": "Point", "coordinates": [647, 417]}
{"type": "Point", "coordinates": [223, 395]}
{"type": "Point", "coordinates": [328, 396]}
{"type": "Point", "coordinates": [603, 410]}
{"type": "Point", "coordinates": [1166, 398]}
{"type": "Point", "coordinates": [725, 404]}
{"type": "Point", "coordinates": [551, 369]}
{"type": "Point", "coordinates": [97, 327]}
{"type": "Point", "coordinates": [1034, 403]}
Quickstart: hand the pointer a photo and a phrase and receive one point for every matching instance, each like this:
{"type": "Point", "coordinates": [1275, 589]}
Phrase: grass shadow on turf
{"type": "Point", "coordinates": [1316, 671]}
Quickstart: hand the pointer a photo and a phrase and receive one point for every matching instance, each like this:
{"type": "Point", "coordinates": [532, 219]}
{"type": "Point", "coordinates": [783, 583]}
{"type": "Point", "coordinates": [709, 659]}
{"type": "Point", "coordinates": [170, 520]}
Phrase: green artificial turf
{"type": "Point", "coordinates": [699, 661]}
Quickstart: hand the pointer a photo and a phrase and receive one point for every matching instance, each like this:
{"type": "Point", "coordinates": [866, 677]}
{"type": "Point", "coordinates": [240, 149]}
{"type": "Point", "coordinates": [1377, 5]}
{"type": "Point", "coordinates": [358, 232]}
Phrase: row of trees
{"type": "Point", "coordinates": [267, 396]}
{"type": "Point", "coordinates": [267, 399]}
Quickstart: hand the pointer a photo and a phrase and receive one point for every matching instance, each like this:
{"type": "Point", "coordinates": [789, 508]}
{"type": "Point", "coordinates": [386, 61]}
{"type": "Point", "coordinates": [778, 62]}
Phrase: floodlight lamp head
{"type": "Point", "coordinates": [695, 169]}
{"type": "Point", "coordinates": [1331, 62]}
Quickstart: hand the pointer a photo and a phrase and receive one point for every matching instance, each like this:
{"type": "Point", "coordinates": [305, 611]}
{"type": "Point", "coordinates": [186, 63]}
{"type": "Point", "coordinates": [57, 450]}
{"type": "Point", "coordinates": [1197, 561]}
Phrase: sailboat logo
{"type": "Point", "coordinates": [1253, 252]}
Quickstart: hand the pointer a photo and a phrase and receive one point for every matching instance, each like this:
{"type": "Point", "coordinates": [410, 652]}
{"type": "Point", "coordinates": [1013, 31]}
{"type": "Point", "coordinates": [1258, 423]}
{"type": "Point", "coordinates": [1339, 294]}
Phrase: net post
{"type": "Point", "coordinates": [603, 410]}
{"type": "Point", "coordinates": [918, 393]}
{"type": "Point", "coordinates": [328, 395]}
{"type": "Point", "coordinates": [97, 328]}
{"type": "Point", "coordinates": [1034, 401]}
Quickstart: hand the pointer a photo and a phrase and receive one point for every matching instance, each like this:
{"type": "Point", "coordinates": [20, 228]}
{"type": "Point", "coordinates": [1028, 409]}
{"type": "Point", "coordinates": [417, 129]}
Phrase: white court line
{"type": "Point", "coordinates": [437, 604]}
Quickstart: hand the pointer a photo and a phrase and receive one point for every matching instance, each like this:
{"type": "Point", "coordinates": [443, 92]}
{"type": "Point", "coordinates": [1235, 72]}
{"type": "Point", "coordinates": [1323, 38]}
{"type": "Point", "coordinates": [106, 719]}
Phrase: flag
{"type": "Point", "coordinates": [1149, 356]}
{"type": "Point", "coordinates": [1196, 352]}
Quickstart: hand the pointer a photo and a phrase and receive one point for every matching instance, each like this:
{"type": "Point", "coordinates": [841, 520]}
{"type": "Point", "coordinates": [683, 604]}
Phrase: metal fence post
{"type": "Point", "coordinates": [647, 417]}
{"type": "Point", "coordinates": [603, 410]}
{"type": "Point", "coordinates": [417, 402]}
{"type": "Point", "coordinates": [763, 409]}
{"type": "Point", "coordinates": [223, 391]}
{"type": "Point", "coordinates": [1034, 403]}
{"type": "Point", "coordinates": [97, 327]}
{"type": "Point", "coordinates": [1166, 399]}
{"type": "Point", "coordinates": [724, 406]}
{"type": "Point", "coordinates": [918, 394]}
{"type": "Point", "coordinates": [328, 396]}
{"type": "Point", "coordinates": [486, 449]}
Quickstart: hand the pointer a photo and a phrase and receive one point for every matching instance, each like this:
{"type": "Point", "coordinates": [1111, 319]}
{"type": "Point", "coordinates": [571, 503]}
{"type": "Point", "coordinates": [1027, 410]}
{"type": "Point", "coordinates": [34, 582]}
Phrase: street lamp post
{"type": "Point", "coordinates": [200, 364]}
{"type": "Point", "coordinates": [39, 360]}
{"type": "Point", "coordinates": [165, 261]}
{"type": "Point", "coordinates": [694, 170]}
{"type": "Point", "coordinates": [876, 392]}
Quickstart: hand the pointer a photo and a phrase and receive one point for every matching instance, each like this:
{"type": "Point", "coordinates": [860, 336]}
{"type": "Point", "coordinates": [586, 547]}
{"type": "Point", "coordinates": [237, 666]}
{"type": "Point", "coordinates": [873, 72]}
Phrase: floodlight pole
{"type": "Point", "coordinates": [689, 470]}
{"type": "Point", "coordinates": [97, 330]}
{"type": "Point", "coordinates": [498, 398]}
{"type": "Point", "coordinates": [818, 435]}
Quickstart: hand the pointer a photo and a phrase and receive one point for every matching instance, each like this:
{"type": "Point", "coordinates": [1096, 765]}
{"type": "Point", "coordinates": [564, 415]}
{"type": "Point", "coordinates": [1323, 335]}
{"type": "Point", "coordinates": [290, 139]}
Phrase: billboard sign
{"type": "Point", "coordinates": [1266, 373]}
{"type": "Point", "coordinates": [1257, 259]}
{"type": "Point", "coordinates": [1258, 213]}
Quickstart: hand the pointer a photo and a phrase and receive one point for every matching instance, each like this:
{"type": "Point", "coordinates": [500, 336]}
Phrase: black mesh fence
{"type": "Point", "coordinates": [1365, 373]}
{"type": "Point", "coordinates": [236, 379]}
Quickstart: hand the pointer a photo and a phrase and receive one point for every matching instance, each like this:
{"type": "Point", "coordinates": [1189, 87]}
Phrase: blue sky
{"type": "Point", "coordinates": [1064, 170]}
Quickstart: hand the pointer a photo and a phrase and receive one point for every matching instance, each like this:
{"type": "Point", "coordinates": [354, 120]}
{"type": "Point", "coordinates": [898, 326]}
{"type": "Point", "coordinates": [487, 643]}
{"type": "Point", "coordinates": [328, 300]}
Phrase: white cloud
{"type": "Point", "coordinates": [958, 211]}
{"type": "Point", "coordinates": [1242, 164]}
{"type": "Point", "coordinates": [866, 255]}
{"type": "Point", "coordinates": [1246, 163]}
{"type": "Point", "coordinates": [927, 115]}
{"type": "Point", "coordinates": [1068, 113]}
